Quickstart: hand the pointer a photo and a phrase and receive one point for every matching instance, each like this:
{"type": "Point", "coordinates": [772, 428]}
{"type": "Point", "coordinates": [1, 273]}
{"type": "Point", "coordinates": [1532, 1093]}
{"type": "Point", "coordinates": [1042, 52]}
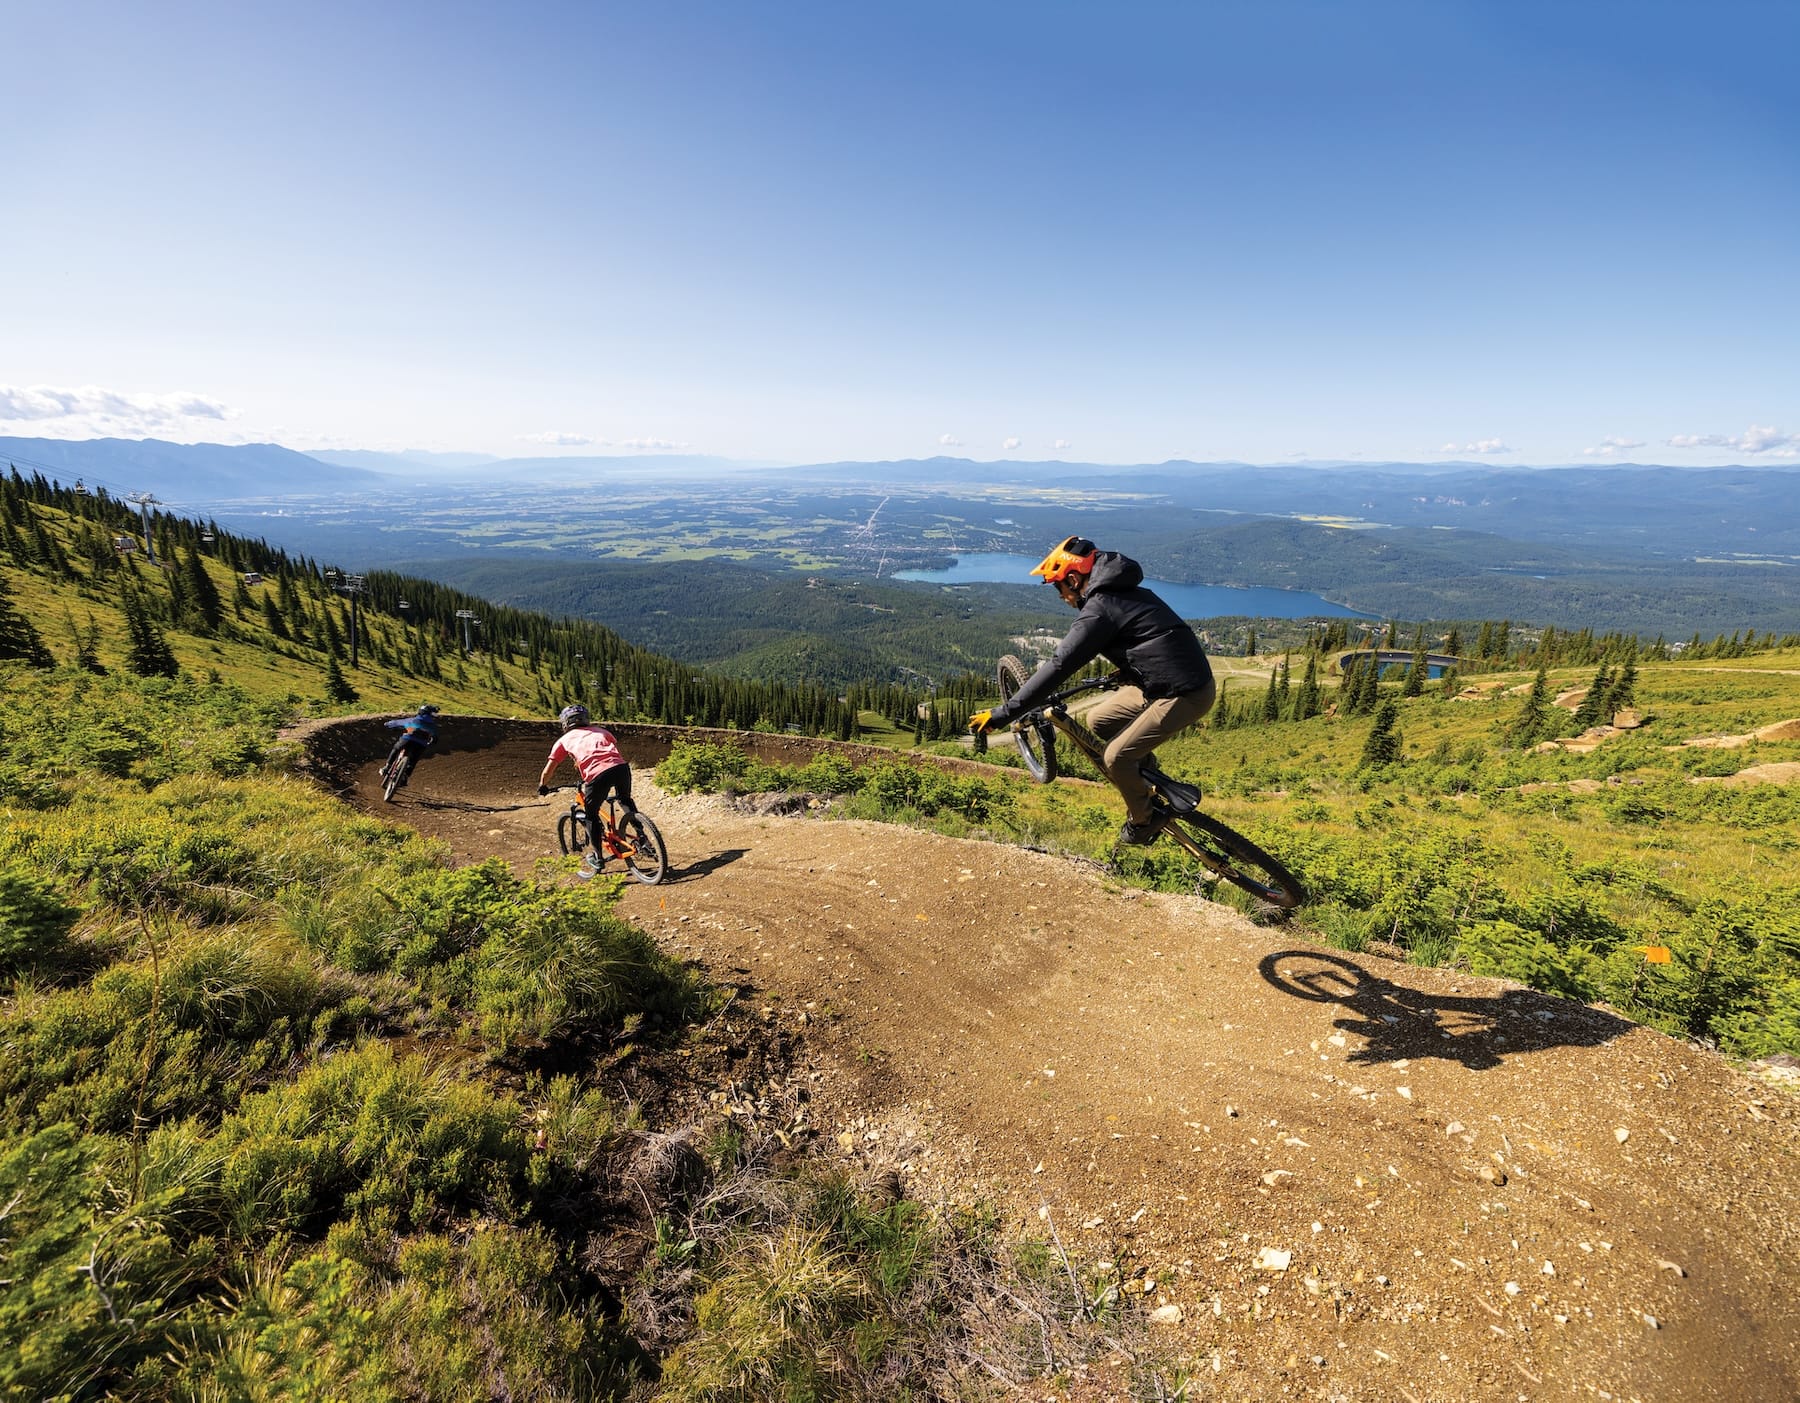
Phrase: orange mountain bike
{"type": "Point", "coordinates": [1223, 851]}
{"type": "Point", "coordinates": [632, 837]}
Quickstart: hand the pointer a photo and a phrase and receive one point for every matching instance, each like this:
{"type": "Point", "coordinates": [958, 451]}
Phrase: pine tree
{"type": "Point", "coordinates": [203, 594]}
{"type": "Point", "coordinates": [1368, 686]}
{"type": "Point", "coordinates": [1308, 703]}
{"type": "Point", "coordinates": [87, 645]}
{"type": "Point", "coordinates": [148, 653]}
{"type": "Point", "coordinates": [1623, 691]}
{"type": "Point", "coordinates": [1535, 721]}
{"type": "Point", "coordinates": [1415, 675]}
{"type": "Point", "coordinates": [19, 639]}
{"type": "Point", "coordinates": [337, 686]}
{"type": "Point", "coordinates": [1453, 642]}
{"type": "Point", "coordinates": [1271, 706]}
{"type": "Point", "coordinates": [1593, 705]}
{"type": "Point", "coordinates": [1382, 747]}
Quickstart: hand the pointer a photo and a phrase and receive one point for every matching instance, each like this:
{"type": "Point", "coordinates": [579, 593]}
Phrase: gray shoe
{"type": "Point", "coordinates": [1142, 834]}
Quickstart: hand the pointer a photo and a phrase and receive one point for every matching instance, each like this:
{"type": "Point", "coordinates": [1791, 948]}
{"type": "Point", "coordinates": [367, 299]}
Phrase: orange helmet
{"type": "Point", "coordinates": [1073, 556]}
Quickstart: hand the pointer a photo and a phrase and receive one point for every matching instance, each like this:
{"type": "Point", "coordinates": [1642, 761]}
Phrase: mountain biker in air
{"type": "Point", "coordinates": [595, 755]}
{"type": "Point", "coordinates": [416, 733]}
{"type": "Point", "coordinates": [1167, 681]}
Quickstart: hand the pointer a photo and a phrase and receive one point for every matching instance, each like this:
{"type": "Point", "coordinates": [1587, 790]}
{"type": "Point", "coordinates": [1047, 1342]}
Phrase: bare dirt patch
{"type": "Point", "coordinates": [1354, 1178]}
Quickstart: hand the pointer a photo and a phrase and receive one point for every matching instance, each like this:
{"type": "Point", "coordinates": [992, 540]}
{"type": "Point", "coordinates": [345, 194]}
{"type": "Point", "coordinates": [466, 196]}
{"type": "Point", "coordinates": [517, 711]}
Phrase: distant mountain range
{"type": "Point", "coordinates": [1631, 509]}
{"type": "Point", "coordinates": [188, 476]}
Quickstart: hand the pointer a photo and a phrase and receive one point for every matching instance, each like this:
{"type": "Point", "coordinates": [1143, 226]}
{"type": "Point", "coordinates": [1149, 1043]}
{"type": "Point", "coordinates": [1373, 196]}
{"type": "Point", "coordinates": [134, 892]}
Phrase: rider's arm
{"type": "Point", "coordinates": [557, 756]}
{"type": "Point", "coordinates": [1080, 646]}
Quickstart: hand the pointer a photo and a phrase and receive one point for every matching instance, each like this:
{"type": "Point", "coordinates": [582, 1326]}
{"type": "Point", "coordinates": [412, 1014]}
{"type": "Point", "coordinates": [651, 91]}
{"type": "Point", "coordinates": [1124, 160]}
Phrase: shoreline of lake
{"type": "Point", "coordinates": [1190, 601]}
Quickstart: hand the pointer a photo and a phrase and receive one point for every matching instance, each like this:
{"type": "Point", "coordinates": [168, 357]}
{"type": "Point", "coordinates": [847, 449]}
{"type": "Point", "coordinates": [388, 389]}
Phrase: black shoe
{"type": "Point", "coordinates": [1142, 834]}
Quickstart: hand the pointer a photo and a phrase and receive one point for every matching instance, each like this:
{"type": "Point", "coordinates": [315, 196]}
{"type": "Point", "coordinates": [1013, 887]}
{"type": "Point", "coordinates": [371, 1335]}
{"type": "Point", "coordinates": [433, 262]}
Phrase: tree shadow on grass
{"type": "Point", "coordinates": [1394, 1021]}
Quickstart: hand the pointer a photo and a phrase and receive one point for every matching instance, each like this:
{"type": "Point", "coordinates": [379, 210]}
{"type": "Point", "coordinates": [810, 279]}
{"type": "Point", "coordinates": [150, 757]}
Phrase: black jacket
{"type": "Point", "coordinates": [1132, 629]}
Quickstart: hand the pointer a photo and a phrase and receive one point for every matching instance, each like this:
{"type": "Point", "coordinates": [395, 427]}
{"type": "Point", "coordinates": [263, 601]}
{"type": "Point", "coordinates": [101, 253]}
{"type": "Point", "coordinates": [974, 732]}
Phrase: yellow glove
{"type": "Point", "coordinates": [981, 722]}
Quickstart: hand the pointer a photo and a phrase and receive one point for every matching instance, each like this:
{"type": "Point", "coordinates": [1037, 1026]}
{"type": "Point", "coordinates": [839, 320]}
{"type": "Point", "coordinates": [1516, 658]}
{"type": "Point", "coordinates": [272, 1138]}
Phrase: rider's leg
{"type": "Point", "coordinates": [1154, 724]}
{"type": "Point", "coordinates": [617, 781]}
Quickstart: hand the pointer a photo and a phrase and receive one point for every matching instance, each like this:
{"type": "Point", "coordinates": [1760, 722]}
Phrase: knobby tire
{"type": "Point", "coordinates": [572, 834]}
{"type": "Point", "coordinates": [394, 776]}
{"type": "Point", "coordinates": [1035, 736]}
{"type": "Point", "coordinates": [1229, 854]}
{"type": "Point", "coordinates": [648, 859]}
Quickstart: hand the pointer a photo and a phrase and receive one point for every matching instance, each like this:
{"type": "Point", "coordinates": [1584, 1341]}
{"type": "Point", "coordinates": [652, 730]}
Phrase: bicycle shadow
{"type": "Point", "coordinates": [706, 865]}
{"type": "Point", "coordinates": [465, 807]}
{"type": "Point", "coordinates": [1396, 1022]}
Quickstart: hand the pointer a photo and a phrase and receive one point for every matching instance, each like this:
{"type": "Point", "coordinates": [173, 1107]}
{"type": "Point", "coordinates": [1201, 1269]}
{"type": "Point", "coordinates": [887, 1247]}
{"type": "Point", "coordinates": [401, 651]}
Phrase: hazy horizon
{"type": "Point", "coordinates": [1284, 233]}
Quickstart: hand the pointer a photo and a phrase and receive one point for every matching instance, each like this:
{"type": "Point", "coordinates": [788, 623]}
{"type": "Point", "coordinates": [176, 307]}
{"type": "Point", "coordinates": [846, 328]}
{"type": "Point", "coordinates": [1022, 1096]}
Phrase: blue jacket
{"type": "Point", "coordinates": [420, 730]}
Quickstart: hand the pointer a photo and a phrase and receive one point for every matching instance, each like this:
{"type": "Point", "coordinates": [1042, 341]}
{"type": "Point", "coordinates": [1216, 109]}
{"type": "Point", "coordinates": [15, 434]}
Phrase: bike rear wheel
{"type": "Point", "coordinates": [1035, 736]}
{"type": "Point", "coordinates": [572, 833]}
{"type": "Point", "coordinates": [394, 776]}
{"type": "Point", "coordinates": [648, 859]}
{"type": "Point", "coordinates": [1229, 854]}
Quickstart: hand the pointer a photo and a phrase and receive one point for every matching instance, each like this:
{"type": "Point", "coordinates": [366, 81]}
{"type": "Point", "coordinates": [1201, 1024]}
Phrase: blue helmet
{"type": "Point", "coordinates": [572, 716]}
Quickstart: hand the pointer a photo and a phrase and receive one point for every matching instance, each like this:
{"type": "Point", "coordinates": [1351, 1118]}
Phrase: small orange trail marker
{"type": "Point", "coordinates": [1655, 954]}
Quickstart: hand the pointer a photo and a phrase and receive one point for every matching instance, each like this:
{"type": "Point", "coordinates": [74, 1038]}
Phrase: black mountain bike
{"type": "Point", "coordinates": [632, 837]}
{"type": "Point", "coordinates": [1223, 851]}
{"type": "Point", "coordinates": [394, 773]}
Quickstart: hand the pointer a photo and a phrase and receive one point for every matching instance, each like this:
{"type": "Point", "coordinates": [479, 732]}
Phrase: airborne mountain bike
{"type": "Point", "coordinates": [1174, 804]}
{"type": "Point", "coordinates": [632, 837]}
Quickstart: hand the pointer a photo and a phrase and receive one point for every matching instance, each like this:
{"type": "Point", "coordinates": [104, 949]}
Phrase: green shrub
{"type": "Point", "coordinates": [388, 1139]}
{"type": "Point", "coordinates": [700, 766]}
{"type": "Point", "coordinates": [34, 923]}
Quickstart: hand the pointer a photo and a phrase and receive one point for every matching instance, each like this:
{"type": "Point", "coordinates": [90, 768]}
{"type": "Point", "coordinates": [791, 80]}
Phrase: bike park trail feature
{"type": "Point", "coordinates": [1351, 1178]}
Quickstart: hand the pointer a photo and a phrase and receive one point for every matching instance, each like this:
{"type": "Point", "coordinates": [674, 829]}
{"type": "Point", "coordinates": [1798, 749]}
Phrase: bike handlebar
{"type": "Point", "coordinates": [1091, 684]}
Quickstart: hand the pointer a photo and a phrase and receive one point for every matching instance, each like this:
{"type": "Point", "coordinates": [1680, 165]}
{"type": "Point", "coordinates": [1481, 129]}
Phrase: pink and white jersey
{"type": "Point", "coordinates": [592, 748]}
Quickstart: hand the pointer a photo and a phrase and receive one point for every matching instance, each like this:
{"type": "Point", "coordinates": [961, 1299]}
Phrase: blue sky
{"type": "Point", "coordinates": [1515, 232]}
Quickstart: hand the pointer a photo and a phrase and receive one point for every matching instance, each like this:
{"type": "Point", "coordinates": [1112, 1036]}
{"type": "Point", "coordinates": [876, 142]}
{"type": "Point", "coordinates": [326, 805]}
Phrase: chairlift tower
{"type": "Point", "coordinates": [470, 620]}
{"type": "Point", "coordinates": [355, 586]}
{"type": "Point", "coordinates": [146, 500]}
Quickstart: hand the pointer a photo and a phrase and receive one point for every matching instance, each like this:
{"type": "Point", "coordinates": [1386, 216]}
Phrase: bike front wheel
{"type": "Point", "coordinates": [394, 776]}
{"type": "Point", "coordinates": [1036, 737]}
{"type": "Point", "coordinates": [1229, 854]}
{"type": "Point", "coordinates": [647, 858]}
{"type": "Point", "coordinates": [572, 833]}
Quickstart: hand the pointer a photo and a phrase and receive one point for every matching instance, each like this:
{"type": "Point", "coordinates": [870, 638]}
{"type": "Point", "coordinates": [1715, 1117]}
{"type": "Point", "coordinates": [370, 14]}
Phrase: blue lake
{"type": "Point", "coordinates": [1190, 601]}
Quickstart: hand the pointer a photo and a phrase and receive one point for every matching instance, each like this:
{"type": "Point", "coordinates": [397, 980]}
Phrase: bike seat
{"type": "Point", "coordinates": [1180, 796]}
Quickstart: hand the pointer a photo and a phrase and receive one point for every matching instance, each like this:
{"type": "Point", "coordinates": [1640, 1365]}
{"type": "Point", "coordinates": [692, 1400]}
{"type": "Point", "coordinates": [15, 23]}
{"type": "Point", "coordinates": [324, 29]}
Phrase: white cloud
{"type": "Point", "coordinates": [949, 441]}
{"type": "Point", "coordinates": [1758, 438]}
{"type": "Point", "coordinates": [1610, 445]}
{"type": "Point", "coordinates": [92, 411]}
{"type": "Point", "coordinates": [648, 443]}
{"type": "Point", "coordinates": [1481, 445]}
{"type": "Point", "coordinates": [1062, 443]}
{"type": "Point", "coordinates": [1012, 442]}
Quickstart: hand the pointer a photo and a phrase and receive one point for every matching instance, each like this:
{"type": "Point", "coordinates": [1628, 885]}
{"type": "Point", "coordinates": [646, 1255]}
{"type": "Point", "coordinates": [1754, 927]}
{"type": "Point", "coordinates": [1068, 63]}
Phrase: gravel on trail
{"type": "Point", "coordinates": [1325, 1176]}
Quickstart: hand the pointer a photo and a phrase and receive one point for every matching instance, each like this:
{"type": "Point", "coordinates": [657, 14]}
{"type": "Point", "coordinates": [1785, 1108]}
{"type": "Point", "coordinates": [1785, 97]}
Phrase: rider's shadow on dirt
{"type": "Point", "coordinates": [1394, 1021]}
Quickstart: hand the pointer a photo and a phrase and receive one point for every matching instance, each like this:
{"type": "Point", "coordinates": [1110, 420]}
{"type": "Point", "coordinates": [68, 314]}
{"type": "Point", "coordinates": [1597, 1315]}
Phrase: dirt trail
{"type": "Point", "coordinates": [1484, 1192]}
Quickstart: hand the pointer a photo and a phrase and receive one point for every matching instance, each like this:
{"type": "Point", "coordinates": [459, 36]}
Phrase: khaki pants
{"type": "Point", "coordinates": [1133, 727]}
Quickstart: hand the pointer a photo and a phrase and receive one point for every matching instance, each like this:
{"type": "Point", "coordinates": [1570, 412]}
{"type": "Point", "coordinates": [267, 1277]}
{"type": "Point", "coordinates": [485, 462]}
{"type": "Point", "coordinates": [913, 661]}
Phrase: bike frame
{"type": "Point", "coordinates": [1215, 846]}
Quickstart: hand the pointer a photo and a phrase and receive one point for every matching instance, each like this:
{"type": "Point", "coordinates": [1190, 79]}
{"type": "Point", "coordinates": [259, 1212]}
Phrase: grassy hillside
{"type": "Point", "coordinates": [292, 1108]}
{"type": "Point", "coordinates": [1473, 845]}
